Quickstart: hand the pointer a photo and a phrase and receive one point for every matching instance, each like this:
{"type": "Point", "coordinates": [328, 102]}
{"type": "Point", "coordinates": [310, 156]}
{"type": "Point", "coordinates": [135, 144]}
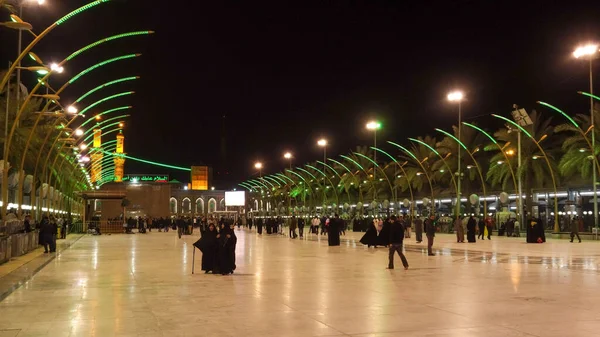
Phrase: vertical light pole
{"type": "Point", "coordinates": [258, 165]}
{"type": "Point", "coordinates": [374, 125]}
{"type": "Point", "coordinates": [590, 51]}
{"type": "Point", "coordinates": [323, 143]}
{"type": "Point", "coordinates": [457, 96]}
{"type": "Point", "coordinates": [288, 156]}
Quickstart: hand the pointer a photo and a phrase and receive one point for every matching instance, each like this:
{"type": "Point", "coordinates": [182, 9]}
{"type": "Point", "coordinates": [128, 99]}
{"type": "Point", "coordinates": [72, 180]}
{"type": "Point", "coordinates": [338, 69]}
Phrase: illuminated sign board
{"type": "Point", "coordinates": [146, 178]}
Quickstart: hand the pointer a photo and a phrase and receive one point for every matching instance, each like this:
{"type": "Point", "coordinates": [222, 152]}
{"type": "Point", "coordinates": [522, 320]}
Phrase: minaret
{"type": "Point", "coordinates": [119, 159]}
{"type": "Point", "coordinates": [96, 156]}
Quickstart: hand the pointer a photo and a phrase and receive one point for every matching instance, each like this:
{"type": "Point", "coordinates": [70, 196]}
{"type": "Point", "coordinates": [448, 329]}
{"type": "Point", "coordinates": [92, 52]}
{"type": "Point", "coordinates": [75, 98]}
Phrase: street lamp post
{"type": "Point", "coordinates": [457, 96]}
{"type": "Point", "coordinates": [323, 143]}
{"type": "Point", "coordinates": [590, 51]}
{"type": "Point", "coordinates": [288, 156]}
{"type": "Point", "coordinates": [374, 125]}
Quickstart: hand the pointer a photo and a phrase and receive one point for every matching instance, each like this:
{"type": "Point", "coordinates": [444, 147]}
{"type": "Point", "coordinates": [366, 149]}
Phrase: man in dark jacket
{"type": "Point", "coordinates": [430, 232]}
{"type": "Point", "coordinates": [396, 240]}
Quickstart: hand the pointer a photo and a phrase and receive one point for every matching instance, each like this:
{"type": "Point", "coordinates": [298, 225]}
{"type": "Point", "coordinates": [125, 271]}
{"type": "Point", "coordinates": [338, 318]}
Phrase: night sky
{"type": "Point", "coordinates": [285, 73]}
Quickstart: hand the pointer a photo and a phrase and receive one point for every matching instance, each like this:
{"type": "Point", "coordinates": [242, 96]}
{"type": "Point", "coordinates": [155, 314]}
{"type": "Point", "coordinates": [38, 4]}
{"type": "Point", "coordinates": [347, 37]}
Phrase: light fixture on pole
{"type": "Point", "coordinates": [288, 156]}
{"type": "Point", "coordinates": [258, 165]}
{"type": "Point", "coordinates": [323, 143]}
{"type": "Point", "coordinates": [374, 126]}
{"type": "Point", "coordinates": [521, 117]}
{"type": "Point", "coordinates": [71, 109]}
{"type": "Point", "coordinates": [590, 51]}
{"type": "Point", "coordinates": [457, 96]}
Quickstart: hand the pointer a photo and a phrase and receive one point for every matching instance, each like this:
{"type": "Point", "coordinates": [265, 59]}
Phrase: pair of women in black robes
{"type": "Point", "coordinates": [218, 250]}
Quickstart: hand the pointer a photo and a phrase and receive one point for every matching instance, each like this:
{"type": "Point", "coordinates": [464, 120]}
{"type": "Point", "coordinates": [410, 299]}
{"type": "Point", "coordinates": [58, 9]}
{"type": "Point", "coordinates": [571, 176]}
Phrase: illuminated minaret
{"type": "Point", "coordinates": [96, 156]}
{"type": "Point", "coordinates": [119, 158]}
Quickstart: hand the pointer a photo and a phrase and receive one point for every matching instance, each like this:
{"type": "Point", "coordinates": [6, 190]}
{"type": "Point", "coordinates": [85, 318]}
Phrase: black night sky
{"type": "Point", "coordinates": [284, 73]}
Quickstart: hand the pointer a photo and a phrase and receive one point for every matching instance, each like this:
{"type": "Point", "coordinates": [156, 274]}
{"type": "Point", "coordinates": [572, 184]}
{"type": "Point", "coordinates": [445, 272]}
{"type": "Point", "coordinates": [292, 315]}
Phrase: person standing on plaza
{"type": "Point", "coordinates": [395, 241]}
{"type": "Point", "coordinates": [301, 224]}
{"type": "Point", "coordinates": [45, 235]}
{"type": "Point", "coordinates": [419, 229]}
{"type": "Point", "coordinates": [471, 229]}
{"type": "Point", "coordinates": [481, 227]}
{"type": "Point", "coordinates": [314, 227]}
{"type": "Point", "coordinates": [489, 225]}
{"type": "Point", "coordinates": [430, 232]}
{"type": "Point", "coordinates": [575, 229]}
{"type": "Point", "coordinates": [293, 226]}
{"type": "Point", "coordinates": [259, 225]}
{"type": "Point", "coordinates": [180, 223]}
{"type": "Point", "coordinates": [406, 224]}
{"type": "Point", "coordinates": [208, 245]}
{"type": "Point", "coordinates": [384, 234]}
{"type": "Point", "coordinates": [333, 233]}
{"type": "Point", "coordinates": [370, 237]}
{"type": "Point", "coordinates": [250, 221]}
{"type": "Point", "coordinates": [226, 252]}
{"type": "Point", "coordinates": [459, 230]}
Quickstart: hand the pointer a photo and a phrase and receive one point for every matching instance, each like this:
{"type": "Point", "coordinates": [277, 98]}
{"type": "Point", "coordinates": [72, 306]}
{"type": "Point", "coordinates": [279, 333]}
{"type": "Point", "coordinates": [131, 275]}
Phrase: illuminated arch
{"type": "Point", "coordinates": [199, 206]}
{"type": "Point", "coordinates": [173, 205]}
{"type": "Point", "coordinates": [186, 205]}
{"type": "Point", "coordinates": [212, 205]}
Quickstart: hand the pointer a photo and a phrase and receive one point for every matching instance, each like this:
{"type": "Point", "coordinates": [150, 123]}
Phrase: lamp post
{"type": "Point", "coordinates": [258, 165]}
{"type": "Point", "coordinates": [323, 143]}
{"type": "Point", "coordinates": [374, 125]}
{"type": "Point", "coordinates": [590, 51]}
{"type": "Point", "coordinates": [457, 96]}
{"type": "Point", "coordinates": [288, 156]}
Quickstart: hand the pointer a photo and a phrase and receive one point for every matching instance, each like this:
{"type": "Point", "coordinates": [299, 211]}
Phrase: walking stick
{"type": "Point", "coordinates": [193, 259]}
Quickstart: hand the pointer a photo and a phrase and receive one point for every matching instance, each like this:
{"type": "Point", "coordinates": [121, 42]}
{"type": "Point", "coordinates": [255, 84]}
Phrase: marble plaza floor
{"type": "Point", "coordinates": [141, 285]}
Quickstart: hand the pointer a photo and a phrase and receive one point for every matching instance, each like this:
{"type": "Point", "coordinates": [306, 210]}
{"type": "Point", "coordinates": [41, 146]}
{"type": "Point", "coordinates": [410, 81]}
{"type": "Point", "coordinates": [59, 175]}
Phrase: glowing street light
{"type": "Point", "coordinates": [71, 109]}
{"type": "Point", "coordinates": [78, 132]}
{"type": "Point", "coordinates": [323, 143]}
{"type": "Point", "coordinates": [458, 96]}
{"type": "Point", "coordinates": [374, 125]}
{"type": "Point", "coordinates": [121, 124]}
{"type": "Point", "coordinates": [288, 156]}
{"type": "Point", "coordinates": [83, 146]}
{"type": "Point", "coordinates": [56, 68]}
{"type": "Point", "coordinates": [258, 165]}
{"type": "Point", "coordinates": [589, 51]}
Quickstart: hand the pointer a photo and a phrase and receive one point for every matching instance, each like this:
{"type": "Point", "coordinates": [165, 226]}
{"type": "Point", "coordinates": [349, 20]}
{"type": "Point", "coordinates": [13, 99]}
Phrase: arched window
{"type": "Point", "coordinates": [186, 205]}
{"type": "Point", "coordinates": [173, 205]}
{"type": "Point", "coordinates": [200, 206]}
{"type": "Point", "coordinates": [212, 205]}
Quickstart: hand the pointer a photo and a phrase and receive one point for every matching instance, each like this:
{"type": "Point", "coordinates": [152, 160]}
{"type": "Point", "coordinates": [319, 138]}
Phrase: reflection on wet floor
{"type": "Point", "coordinates": [587, 263]}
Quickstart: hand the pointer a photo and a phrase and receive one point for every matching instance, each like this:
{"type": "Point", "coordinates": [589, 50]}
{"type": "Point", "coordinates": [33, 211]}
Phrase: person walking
{"type": "Point", "coordinates": [481, 227]}
{"type": "Point", "coordinates": [395, 243]}
{"type": "Point", "coordinates": [459, 230]}
{"type": "Point", "coordinates": [575, 229]}
{"type": "Point", "coordinates": [489, 225]}
{"type": "Point", "coordinates": [301, 224]}
{"type": "Point", "coordinates": [419, 229]}
{"type": "Point", "coordinates": [293, 226]}
{"type": "Point", "coordinates": [430, 232]}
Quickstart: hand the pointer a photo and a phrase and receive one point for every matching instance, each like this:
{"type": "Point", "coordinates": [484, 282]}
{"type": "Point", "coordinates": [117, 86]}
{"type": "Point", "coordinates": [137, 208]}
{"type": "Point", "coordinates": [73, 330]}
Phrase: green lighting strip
{"type": "Point", "coordinates": [331, 168]}
{"type": "Point", "coordinates": [405, 150]}
{"type": "Point", "coordinates": [104, 122]}
{"type": "Point", "coordinates": [110, 38]}
{"type": "Point", "coordinates": [98, 65]}
{"type": "Point", "coordinates": [106, 144]}
{"type": "Point", "coordinates": [481, 130]}
{"type": "Point", "coordinates": [279, 179]}
{"type": "Point", "coordinates": [560, 111]}
{"type": "Point", "coordinates": [426, 145]}
{"type": "Point", "coordinates": [342, 165]}
{"type": "Point", "coordinates": [353, 161]}
{"type": "Point", "coordinates": [79, 10]}
{"type": "Point", "coordinates": [589, 95]}
{"type": "Point", "coordinates": [101, 129]}
{"type": "Point", "coordinates": [106, 99]}
{"type": "Point", "coordinates": [273, 180]}
{"type": "Point", "coordinates": [106, 112]}
{"type": "Point", "coordinates": [515, 124]}
{"type": "Point", "coordinates": [149, 162]}
{"type": "Point", "coordinates": [387, 154]}
{"type": "Point", "coordinates": [305, 171]}
{"type": "Point", "coordinates": [367, 158]}
{"type": "Point", "coordinates": [131, 78]}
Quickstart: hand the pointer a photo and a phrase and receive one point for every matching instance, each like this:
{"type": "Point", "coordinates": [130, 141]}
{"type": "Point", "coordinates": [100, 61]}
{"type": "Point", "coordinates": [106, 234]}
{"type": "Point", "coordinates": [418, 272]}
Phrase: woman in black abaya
{"type": "Point", "coordinates": [208, 245]}
{"type": "Point", "coordinates": [370, 237]}
{"type": "Point", "coordinates": [227, 243]}
{"type": "Point", "coordinates": [471, 228]}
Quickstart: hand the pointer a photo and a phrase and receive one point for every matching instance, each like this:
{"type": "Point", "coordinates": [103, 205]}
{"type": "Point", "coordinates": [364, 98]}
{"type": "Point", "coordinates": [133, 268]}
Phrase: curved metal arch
{"type": "Point", "coordinates": [409, 181]}
{"type": "Point", "coordinates": [272, 180]}
{"type": "Point", "coordinates": [443, 161]}
{"type": "Point", "coordinates": [412, 155]}
{"type": "Point", "coordinates": [382, 172]}
{"type": "Point", "coordinates": [337, 198]}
